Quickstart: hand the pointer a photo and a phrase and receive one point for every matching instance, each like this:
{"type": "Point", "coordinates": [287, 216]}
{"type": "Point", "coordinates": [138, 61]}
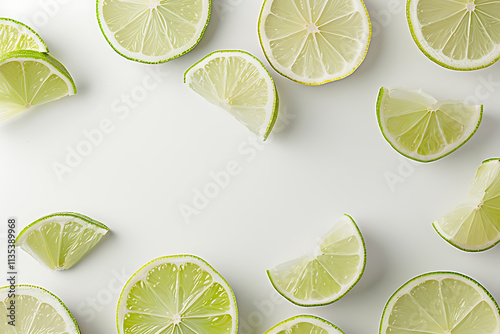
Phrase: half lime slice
{"type": "Point", "coordinates": [239, 83]}
{"type": "Point", "coordinates": [36, 311]}
{"type": "Point", "coordinates": [177, 294]}
{"type": "Point", "coordinates": [15, 36]}
{"type": "Point", "coordinates": [475, 225]}
{"type": "Point", "coordinates": [441, 303]}
{"type": "Point", "coordinates": [62, 239]}
{"type": "Point", "coordinates": [304, 324]}
{"type": "Point", "coordinates": [422, 128]}
{"type": "Point", "coordinates": [323, 278]}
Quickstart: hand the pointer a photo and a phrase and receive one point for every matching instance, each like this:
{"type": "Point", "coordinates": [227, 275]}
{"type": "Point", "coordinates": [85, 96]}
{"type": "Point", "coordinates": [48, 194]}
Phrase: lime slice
{"type": "Point", "coordinates": [457, 34]}
{"type": "Point", "coordinates": [423, 129]}
{"type": "Point", "coordinates": [304, 324]}
{"type": "Point", "coordinates": [62, 239]}
{"type": "Point", "coordinates": [314, 41]}
{"type": "Point", "coordinates": [18, 36]}
{"type": "Point", "coordinates": [475, 225]}
{"type": "Point", "coordinates": [30, 78]}
{"type": "Point", "coordinates": [441, 303]}
{"type": "Point", "coordinates": [153, 31]}
{"type": "Point", "coordinates": [36, 311]}
{"type": "Point", "coordinates": [177, 294]}
{"type": "Point", "coordinates": [239, 83]}
{"type": "Point", "coordinates": [335, 267]}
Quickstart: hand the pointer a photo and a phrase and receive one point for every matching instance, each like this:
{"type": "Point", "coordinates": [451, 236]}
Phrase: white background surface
{"type": "Point", "coordinates": [329, 159]}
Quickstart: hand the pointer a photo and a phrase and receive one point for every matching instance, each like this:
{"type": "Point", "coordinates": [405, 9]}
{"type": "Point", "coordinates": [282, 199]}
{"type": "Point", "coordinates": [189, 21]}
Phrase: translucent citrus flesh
{"type": "Point", "coordinates": [154, 27]}
{"type": "Point", "coordinates": [423, 128]}
{"type": "Point", "coordinates": [303, 328]}
{"type": "Point", "coordinates": [328, 275]}
{"type": "Point", "coordinates": [316, 40]}
{"type": "Point", "coordinates": [461, 30]}
{"type": "Point", "coordinates": [476, 224]}
{"type": "Point", "coordinates": [28, 82]}
{"type": "Point", "coordinates": [61, 242]}
{"type": "Point", "coordinates": [14, 37]}
{"type": "Point", "coordinates": [442, 306]}
{"type": "Point", "coordinates": [178, 298]}
{"type": "Point", "coordinates": [236, 84]}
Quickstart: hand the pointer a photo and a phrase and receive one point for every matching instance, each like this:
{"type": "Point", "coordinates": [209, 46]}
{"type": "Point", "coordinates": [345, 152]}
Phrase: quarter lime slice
{"type": "Point", "coordinates": [457, 34]}
{"type": "Point", "coordinates": [304, 324]}
{"type": "Point", "coordinates": [475, 225]}
{"type": "Point", "coordinates": [153, 31]}
{"type": "Point", "coordinates": [62, 239]}
{"type": "Point", "coordinates": [239, 83]}
{"type": "Point", "coordinates": [441, 303]}
{"type": "Point", "coordinates": [314, 41]}
{"type": "Point", "coordinates": [30, 78]}
{"type": "Point", "coordinates": [15, 35]}
{"type": "Point", "coordinates": [177, 294]}
{"type": "Point", "coordinates": [423, 129]}
{"type": "Point", "coordinates": [36, 311]}
{"type": "Point", "coordinates": [336, 266]}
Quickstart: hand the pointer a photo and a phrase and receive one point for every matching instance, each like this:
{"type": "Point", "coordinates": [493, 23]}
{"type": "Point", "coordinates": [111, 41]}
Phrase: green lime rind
{"type": "Point", "coordinates": [380, 97]}
{"type": "Point", "coordinates": [153, 62]}
{"type": "Point", "coordinates": [428, 55]}
{"type": "Point", "coordinates": [276, 102]}
{"type": "Point", "coordinates": [259, 23]}
{"type": "Point", "coordinates": [30, 54]}
{"type": "Point", "coordinates": [51, 295]}
{"type": "Point", "coordinates": [341, 296]}
{"type": "Point", "coordinates": [435, 273]}
{"type": "Point", "coordinates": [61, 214]}
{"type": "Point", "coordinates": [42, 46]}
{"type": "Point", "coordinates": [162, 260]}
{"type": "Point", "coordinates": [468, 250]}
{"type": "Point", "coordinates": [308, 319]}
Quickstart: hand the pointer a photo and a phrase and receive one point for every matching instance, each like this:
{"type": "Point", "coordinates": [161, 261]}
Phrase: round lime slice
{"type": "Point", "coordinates": [441, 303]}
{"type": "Point", "coordinates": [239, 83]}
{"type": "Point", "coordinates": [422, 128]}
{"type": "Point", "coordinates": [475, 225]}
{"type": "Point", "coordinates": [314, 41]}
{"type": "Point", "coordinates": [304, 324]}
{"type": "Point", "coordinates": [177, 294]}
{"type": "Point", "coordinates": [31, 78]}
{"type": "Point", "coordinates": [323, 278]}
{"type": "Point", "coordinates": [15, 35]}
{"type": "Point", "coordinates": [36, 311]}
{"type": "Point", "coordinates": [61, 240]}
{"type": "Point", "coordinates": [153, 31]}
{"type": "Point", "coordinates": [457, 34]}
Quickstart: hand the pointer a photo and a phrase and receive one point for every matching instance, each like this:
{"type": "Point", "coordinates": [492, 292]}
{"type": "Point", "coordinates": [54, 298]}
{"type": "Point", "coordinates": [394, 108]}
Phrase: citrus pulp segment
{"type": "Point", "coordinates": [475, 225]}
{"type": "Point", "coordinates": [304, 324]}
{"type": "Point", "coordinates": [153, 31]}
{"type": "Point", "coordinates": [15, 35]}
{"type": "Point", "coordinates": [239, 83]}
{"type": "Point", "coordinates": [335, 267]}
{"type": "Point", "coordinates": [62, 239]}
{"type": "Point", "coordinates": [422, 128]}
{"type": "Point", "coordinates": [177, 294]}
{"type": "Point", "coordinates": [314, 41]}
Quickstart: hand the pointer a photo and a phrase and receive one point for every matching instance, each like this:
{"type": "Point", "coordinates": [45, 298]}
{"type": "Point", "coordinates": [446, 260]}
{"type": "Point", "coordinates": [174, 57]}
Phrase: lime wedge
{"type": "Point", "coordinates": [62, 239]}
{"type": "Point", "coordinates": [304, 324]}
{"type": "Point", "coordinates": [36, 311]}
{"type": "Point", "coordinates": [441, 303]}
{"type": "Point", "coordinates": [336, 266]}
{"type": "Point", "coordinates": [423, 129]}
{"type": "Point", "coordinates": [153, 31]}
{"type": "Point", "coordinates": [457, 34]}
{"type": "Point", "coordinates": [475, 225]}
{"type": "Point", "coordinates": [239, 83]}
{"type": "Point", "coordinates": [177, 294]}
{"type": "Point", "coordinates": [18, 36]}
{"type": "Point", "coordinates": [314, 41]}
{"type": "Point", "coordinates": [31, 78]}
